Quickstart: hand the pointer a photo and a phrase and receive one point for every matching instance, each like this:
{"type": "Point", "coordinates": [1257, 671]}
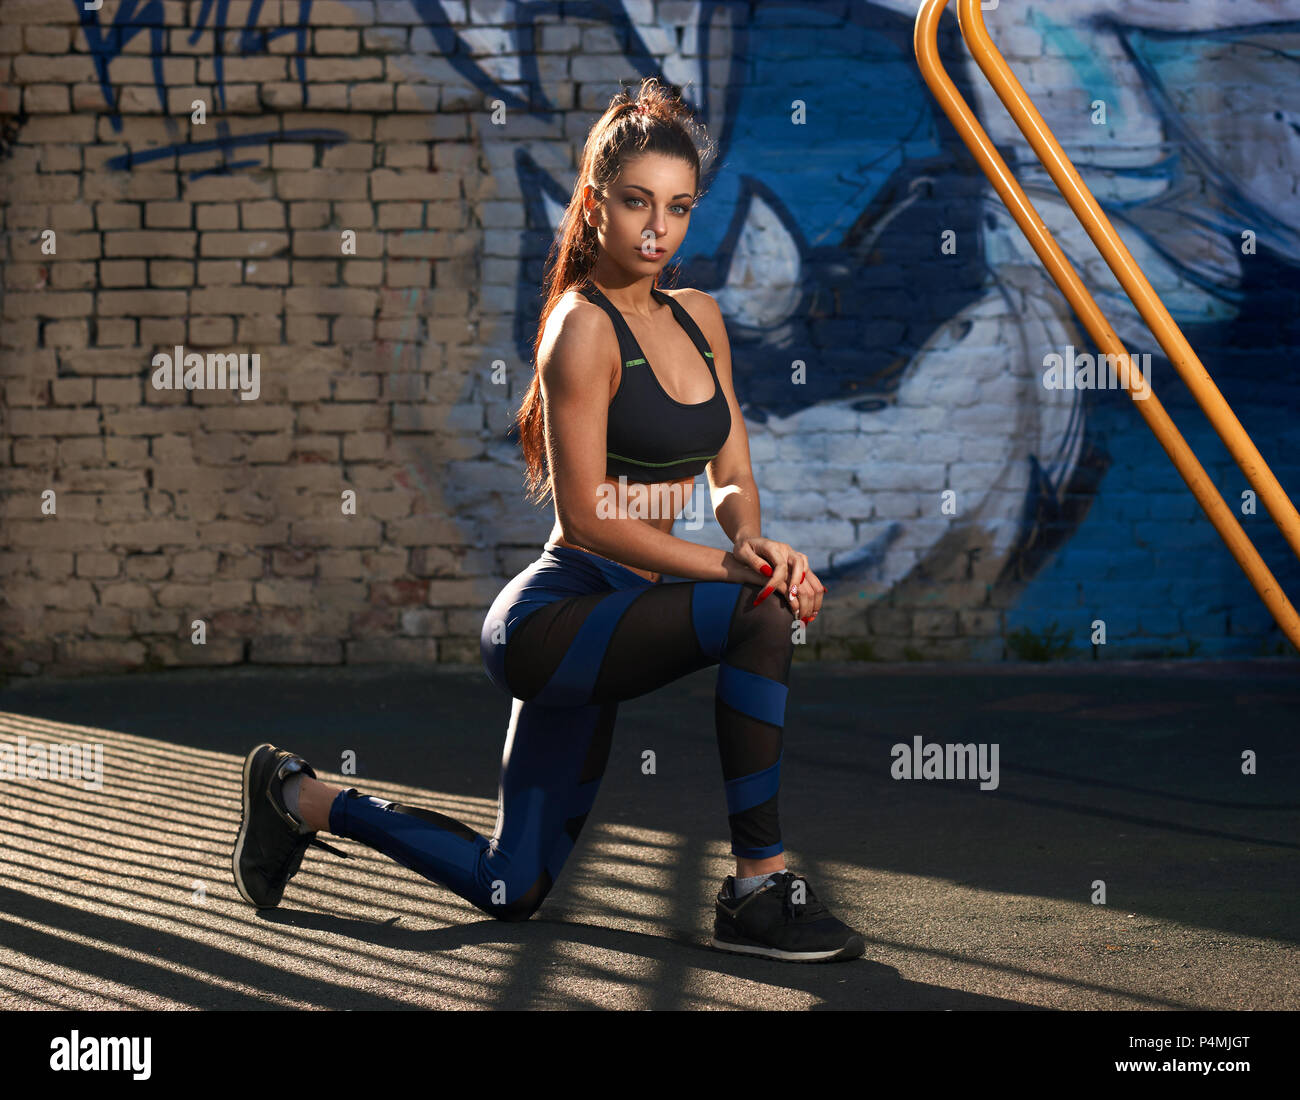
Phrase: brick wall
{"type": "Point", "coordinates": [173, 507]}
{"type": "Point", "coordinates": [176, 508]}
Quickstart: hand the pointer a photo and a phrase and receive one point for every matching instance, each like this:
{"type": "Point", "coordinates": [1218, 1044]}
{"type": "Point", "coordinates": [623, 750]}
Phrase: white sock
{"type": "Point", "coordinates": [749, 885]}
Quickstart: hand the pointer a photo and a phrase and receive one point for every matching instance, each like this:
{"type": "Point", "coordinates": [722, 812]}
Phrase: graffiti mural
{"type": "Point", "coordinates": [108, 41]}
{"type": "Point", "coordinates": [861, 243]}
{"type": "Point", "coordinates": [821, 243]}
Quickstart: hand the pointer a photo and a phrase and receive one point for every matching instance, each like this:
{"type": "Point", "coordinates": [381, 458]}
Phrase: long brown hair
{"type": "Point", "coordinates": [656, 120]}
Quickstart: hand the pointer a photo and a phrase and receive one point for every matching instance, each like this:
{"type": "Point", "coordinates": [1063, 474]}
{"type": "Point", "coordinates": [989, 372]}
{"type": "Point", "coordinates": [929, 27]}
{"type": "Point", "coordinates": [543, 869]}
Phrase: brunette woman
{"type": "Point", "coordinates": [631, 399]}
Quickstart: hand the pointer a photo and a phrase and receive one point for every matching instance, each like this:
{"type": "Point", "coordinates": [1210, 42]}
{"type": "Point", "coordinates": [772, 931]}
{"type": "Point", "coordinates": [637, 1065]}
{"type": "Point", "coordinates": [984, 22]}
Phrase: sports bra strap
{"type": "Point", "coordinates": [630, 351]}
{"type": "Point", "coordinates": [688, 323]}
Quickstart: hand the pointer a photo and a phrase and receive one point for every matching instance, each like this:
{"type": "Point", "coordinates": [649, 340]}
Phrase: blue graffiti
{"type": "Point", "coordinates": [527, 18]}
{"type": "Point", "coordinates": [224, 142]}
{"type": "Point", "coordinates": [107, 43]}
{"type": "Point", "coordinates": [822, 241]}
{"type": "Point", "coordinates": [135, 17]}
{"type": "Point", "coordinates": [252, 39]}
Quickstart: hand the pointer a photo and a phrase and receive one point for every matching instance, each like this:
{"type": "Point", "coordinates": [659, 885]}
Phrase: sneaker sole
{"type": "Point", "coordinates": [243, 825]}
{"type": "Point", "coordinates": [852, 948]}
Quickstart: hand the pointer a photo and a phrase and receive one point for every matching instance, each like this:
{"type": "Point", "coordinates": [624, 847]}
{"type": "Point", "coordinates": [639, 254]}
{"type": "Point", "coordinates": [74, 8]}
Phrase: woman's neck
{"type": "Point", "coordinates": [634, 297]}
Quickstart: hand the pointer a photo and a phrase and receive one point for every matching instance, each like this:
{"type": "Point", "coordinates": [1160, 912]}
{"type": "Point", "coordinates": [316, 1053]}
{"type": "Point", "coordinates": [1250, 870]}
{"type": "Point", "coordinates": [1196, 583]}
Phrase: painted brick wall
{"type": "Point", "coordinates": [443, 137]}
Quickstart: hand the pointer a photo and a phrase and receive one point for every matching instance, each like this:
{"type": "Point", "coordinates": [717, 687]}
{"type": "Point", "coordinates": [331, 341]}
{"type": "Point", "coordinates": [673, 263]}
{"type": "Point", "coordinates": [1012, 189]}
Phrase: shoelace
{"type": "Point", "coordinates": [294, 861]}
{"type": "Point", "coordinates": [328, 847]}
{"type": "Point", "coordinates": [811, 907]}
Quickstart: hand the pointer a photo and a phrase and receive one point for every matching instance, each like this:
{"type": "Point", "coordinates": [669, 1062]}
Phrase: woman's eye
{"type": "Point", "coordinates": [676, 206]}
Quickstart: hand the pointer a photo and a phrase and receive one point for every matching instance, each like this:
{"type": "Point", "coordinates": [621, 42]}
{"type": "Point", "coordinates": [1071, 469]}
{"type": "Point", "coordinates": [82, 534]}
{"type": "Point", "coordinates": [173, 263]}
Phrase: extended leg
{"type": "Point", "coordinates": [551, 770]}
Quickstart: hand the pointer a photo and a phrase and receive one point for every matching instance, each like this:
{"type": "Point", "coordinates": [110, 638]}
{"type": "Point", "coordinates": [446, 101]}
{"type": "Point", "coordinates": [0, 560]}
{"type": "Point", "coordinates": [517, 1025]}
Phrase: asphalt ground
{"type": "Point", "coordinates": [1127, 774]}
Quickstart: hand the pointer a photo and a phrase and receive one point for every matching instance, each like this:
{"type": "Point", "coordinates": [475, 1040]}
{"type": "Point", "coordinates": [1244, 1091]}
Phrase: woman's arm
{"type": "Point", "coordinates": [735, 494]}
{"type": "Point", "coordinates": [732, 489]}
{"type": "Point", "coordinates": [575, 370]}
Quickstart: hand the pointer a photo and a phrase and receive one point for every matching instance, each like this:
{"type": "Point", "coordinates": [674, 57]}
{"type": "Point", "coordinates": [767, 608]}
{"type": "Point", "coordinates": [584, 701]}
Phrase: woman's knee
{"type": "Point", "coordinates": [512, 899]}
{"type": "Point", "coordinates": [770, 623]}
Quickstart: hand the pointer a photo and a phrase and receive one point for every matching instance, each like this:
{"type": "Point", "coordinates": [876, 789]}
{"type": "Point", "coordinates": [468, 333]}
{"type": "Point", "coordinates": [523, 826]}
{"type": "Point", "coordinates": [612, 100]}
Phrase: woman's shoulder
{"type": "Point", "coordinates": [702, 307]}
{"type": "Point", "coordinates": [578, 338]}
{"type": "Point", "coordinates": [688, 294]}
{"type": "Point", "coordinates": [574, 310]}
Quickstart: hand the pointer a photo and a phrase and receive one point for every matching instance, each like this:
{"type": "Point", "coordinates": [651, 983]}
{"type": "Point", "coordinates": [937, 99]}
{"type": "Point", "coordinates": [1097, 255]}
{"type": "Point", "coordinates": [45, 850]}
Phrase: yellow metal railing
{"type": "Point", "coordinates": [1135, 284]}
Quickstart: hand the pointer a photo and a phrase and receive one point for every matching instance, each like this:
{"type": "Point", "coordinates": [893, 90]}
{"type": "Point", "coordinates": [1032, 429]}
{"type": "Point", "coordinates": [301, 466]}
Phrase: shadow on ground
{"type": "Point", "coordinates": [1123, 778]}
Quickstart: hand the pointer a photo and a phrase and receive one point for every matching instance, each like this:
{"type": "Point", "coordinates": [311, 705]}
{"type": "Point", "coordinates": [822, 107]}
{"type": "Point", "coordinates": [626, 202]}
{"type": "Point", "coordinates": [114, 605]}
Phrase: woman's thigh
{"type": "Point", "coordinates": [609, 646]}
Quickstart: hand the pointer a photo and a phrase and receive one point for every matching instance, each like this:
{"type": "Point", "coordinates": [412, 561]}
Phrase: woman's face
{"type": "Point", "coordinates": [644, 217]}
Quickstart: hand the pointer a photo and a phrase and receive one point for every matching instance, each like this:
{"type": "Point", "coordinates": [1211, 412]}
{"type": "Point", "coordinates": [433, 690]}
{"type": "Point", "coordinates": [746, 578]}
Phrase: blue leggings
{"type": "Point", "coordinates": [569, 638]}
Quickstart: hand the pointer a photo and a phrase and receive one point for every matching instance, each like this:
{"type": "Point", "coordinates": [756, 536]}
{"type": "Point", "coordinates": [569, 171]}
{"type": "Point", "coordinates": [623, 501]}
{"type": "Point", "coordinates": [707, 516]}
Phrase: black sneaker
{"type": "Point", "coordinates": [782, 920]}
{"type": "Point", "coordinates": [270, 844]}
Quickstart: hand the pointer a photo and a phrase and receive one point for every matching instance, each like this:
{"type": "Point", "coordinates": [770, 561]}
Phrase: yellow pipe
{"type": "Point", "coordinates": [1130, 276]}
{"type": "Point", "coordinates": [1063, 274]}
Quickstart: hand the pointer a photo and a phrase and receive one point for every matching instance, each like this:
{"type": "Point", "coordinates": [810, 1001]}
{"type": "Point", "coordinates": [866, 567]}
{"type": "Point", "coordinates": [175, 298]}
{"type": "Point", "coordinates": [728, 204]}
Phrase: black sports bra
{"type": "Point", "coordinates": [650, 437]}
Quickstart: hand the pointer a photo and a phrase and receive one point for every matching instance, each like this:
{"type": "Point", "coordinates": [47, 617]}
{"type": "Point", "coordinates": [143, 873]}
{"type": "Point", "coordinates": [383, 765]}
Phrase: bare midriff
{"type": "Point", "coordinates": [658, 505]}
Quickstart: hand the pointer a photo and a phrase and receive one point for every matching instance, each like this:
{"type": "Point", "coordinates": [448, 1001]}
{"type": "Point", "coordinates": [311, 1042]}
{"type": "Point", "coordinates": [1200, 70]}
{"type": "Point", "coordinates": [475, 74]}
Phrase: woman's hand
{"type": "Point", "coordinates": [787, 572]}
{"type": "Point", "coordinates": [740, 573]}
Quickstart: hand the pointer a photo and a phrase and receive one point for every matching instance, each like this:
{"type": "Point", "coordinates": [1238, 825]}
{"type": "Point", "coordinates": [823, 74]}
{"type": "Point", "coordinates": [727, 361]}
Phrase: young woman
{"type": "Point", "coordinates": [631, 399]}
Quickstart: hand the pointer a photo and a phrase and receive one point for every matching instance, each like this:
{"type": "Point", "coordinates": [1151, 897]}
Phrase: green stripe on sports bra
{"type": "Point", "coordinates": [638, 362]}
{"type": "Point", "coordinates": [660, 465]}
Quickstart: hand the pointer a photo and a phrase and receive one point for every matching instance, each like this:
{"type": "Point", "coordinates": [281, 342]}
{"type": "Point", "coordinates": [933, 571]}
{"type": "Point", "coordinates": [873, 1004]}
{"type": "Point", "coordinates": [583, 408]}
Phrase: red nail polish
{"type": "Point", "coordinates": [762, 596]}
{"type": "Point", "coordinates": [766, 569]}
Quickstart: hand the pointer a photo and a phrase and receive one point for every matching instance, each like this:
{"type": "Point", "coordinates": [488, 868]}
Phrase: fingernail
{"type": "Point", "coordinates": [762, 596]}
{"type": "Point", "coordinates": [807, 620]}
{"type": "Point", "coordinates": [765, 569]}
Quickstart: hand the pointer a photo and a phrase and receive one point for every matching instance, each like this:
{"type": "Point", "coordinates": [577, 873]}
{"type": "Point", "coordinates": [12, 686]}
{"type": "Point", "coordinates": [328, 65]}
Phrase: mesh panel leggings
{"type": "Point", "coordinates": [570, 638]}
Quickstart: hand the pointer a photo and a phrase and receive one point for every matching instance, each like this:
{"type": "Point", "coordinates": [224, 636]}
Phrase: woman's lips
{"type": "Point", "coordinates": [653, 253]}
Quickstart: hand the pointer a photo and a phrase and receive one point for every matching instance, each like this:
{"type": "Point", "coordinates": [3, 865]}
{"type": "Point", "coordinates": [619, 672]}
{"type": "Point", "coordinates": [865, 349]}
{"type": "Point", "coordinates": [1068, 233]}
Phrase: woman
{"type": "Point", "coordinates": [610, 439]}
